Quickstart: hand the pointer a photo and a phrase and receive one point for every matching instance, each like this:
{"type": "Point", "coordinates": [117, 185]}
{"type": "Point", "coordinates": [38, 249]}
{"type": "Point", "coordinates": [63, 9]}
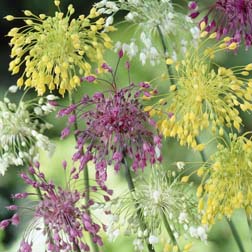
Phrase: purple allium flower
{"type": "Point", "coordinates": [61, 214]}
{"type": "Point", "coordinates": [229, 18]}
{"type": "Point", "coordinates": [116, 127]}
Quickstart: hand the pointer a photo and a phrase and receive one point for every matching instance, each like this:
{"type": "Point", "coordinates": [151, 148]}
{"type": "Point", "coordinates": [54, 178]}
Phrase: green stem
{"type": "Point", "coordinates": [169, 68]}
{"type": "Point", "coordinates": [169, 231]}
{"type": "Point", "coordinates": [236, 235]}
{"type": "Point", "coordinates": [95, 247]}
{"type": "Point", "coordinates": [249, 225]}
{"type": "Point", "coordinates": [139, 212]}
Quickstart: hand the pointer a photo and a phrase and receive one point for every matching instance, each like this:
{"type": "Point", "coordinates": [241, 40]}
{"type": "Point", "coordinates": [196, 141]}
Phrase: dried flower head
{"type": "Point", "coordinates": [228, 18]}
{"type": "Point", "coordinates": [115, 127]}
{"type": "Point", "coordinates": [202, 96]}
{"type": "Point", "coordinates": [61, 214]}
{"type": "Point", "coordinates": [226, 180]}
{"type": "Point", "coordinates": [56, 50]}
{"type": "Point", "coordinates": [150, 18]}
{"type": "Point", "coordinates": [21, 131]}
{"type": "Point", "coordinates": [160, 196]}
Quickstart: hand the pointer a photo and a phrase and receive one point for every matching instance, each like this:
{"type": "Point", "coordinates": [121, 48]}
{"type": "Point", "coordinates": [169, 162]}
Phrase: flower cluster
{"type": "Point", "coordinates": [226, 184]}
{"type": "Point", "coordinates": [203, 97]}
{"type": "Point", "coordinates": [160, 197]}
{"type": "Point", "coordinates": [151, 18]}
{"type": "Point", "coordinates": [22, 131]}
{"type": "Point", "coordinates": [61, 214]}
{"type": "Point", "coordinates": [57, 50]}
{"type": "Point", "coordinates": [228, 18]}
{"type": "Point", "coordinates": [117, 124]}
{"type": "Point", "coordinates": [116, 128]}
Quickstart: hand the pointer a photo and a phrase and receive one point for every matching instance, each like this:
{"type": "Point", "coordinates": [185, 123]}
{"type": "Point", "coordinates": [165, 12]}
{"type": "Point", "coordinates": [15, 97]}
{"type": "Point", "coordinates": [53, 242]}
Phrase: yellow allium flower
{"type": "Point", "coordinates": [55, 51]}
{"type": "Point", "coordinates": [203, 97]}
{"type": "Point", "coordinates": [227, 184]}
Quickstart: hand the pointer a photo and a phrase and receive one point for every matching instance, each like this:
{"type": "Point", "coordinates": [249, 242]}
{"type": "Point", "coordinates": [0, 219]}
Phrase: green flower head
{"type": "Point", "coordinates": [161, 197]}
{"type": "Point", "coordinates": [21, 131]}
{"type": "Point", "coordinates": [151, 20]}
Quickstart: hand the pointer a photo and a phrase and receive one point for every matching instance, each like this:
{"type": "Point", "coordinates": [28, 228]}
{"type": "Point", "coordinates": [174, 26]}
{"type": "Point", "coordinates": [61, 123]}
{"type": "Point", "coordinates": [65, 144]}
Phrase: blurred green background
{"type": "Point", "coordinates": [220, 238]}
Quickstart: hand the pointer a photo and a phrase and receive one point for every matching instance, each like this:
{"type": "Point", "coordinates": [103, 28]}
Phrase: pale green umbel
{"type": "Point", "coordinates": [21, 131]}
{"type": "Point", "coordinates": [160, 28]}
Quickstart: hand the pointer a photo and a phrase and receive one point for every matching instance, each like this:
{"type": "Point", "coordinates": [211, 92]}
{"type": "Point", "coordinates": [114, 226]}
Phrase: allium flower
{"type": "Point", "coordinates": [56, 50]}
{"type": "Point", "coordinates": [61, 214]}
{"type": "Point", "coordinates": [162, 194]}
{"type": "Point", "coordinates": [227, 180]}
{"type": "Point", "coordinates": [116, 128]}
{"type": "Point", "coordinates": [21, 131]}
{"type": "Point", "coordinates": [203, 97]}
{"type": "Point", "coordinates": [228, 18]}
{"type": "Point", "coordinates": [151, 17]}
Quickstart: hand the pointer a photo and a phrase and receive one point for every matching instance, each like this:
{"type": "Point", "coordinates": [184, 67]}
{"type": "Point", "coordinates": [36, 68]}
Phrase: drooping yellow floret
{"type": "Point", "coordinates": [203, 97]}
{"type": "Point", "coordinates": [227, 184]}
{"type": "Point", "coordinates": [56, 51]}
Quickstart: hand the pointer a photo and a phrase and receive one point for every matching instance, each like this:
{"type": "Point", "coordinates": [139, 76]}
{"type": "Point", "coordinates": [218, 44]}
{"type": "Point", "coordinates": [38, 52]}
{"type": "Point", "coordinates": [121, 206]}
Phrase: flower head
{"type": "Point", "coordinates": [159, 196]}
{"type": "Point", "coordinates": [229, 18]}
{"type": "Point", "coordinates": [57, 50]}
{"type": "Point", "coordinates": [226, 184]}
{"type": "Point", "coordinates": [116, 128]}
{"type": "Point", "coordinates": [151, 18]}
{"type": "Point", "coordinates": [61, 215]}
{"type": "Point", "coordinates": [21, 131]}
{"type": "Point", "coordinates": [203, 97]}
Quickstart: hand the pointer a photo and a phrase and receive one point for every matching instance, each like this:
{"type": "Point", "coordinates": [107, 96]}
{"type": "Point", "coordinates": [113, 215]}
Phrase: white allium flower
{"type": "Point", "coordinates": [199, 232]}
{"type": "Point", "coordinates": [183, 217]}
{"type": "Point", "coordinates": [195, 31]}
{"type": "Point", "coordinates": [193, 232]}
{"type": "Point", "coordinates": [109, 21]}
{"type": "Point", "coordinates": [153, 17]}
{"type": "Point", "coordinates": [160, 195]}
{"type": "Point", "coordinates": [21, 132]}
{"type": "Point", "coordinates": [52, 97]}
{"type": "Point", "coordinates": [138, 245]}
{"type": "Point", "coordinates": [143, 58]}
{"type": "Point", "coordinates": [130, 49]}
{"type": "Point", "coordinates": [156, 196]}
{"type": "Point", "coordinates": [153, 239]}
{"type": "Point", "coordinates": [158, 152]}
{"type": "Point", "coordinates": [3, 165]}
{"type": "Point", "coordinates": [180, 165]}
{"type": "Point", "coordinates": [202, 233]}
{"type": "Point", "coordinates": [13, 89]}
{"type": "Point", "coordinates": [101, 4]}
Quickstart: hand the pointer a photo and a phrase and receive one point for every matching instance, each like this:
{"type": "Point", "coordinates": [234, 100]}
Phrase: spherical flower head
{"type": "Point", "coordinates": [116, 128]}
{"type": "Point", "coordinates": [61, 214]}
{"type": "Point", "coordinates": [230, 18]}
{"type": "Point", "coordinates": [203, 97]}
{"type": "Point", "coordinates": [56, 50]}
{"type": "Point", "coordinates": [226, 184]}
{"type": "Point", "coordinates": [22, 131]}
{"type": "Point", "coordinates": [151, 17]}
{"type": "Point", "coordinates": [161, 194]}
